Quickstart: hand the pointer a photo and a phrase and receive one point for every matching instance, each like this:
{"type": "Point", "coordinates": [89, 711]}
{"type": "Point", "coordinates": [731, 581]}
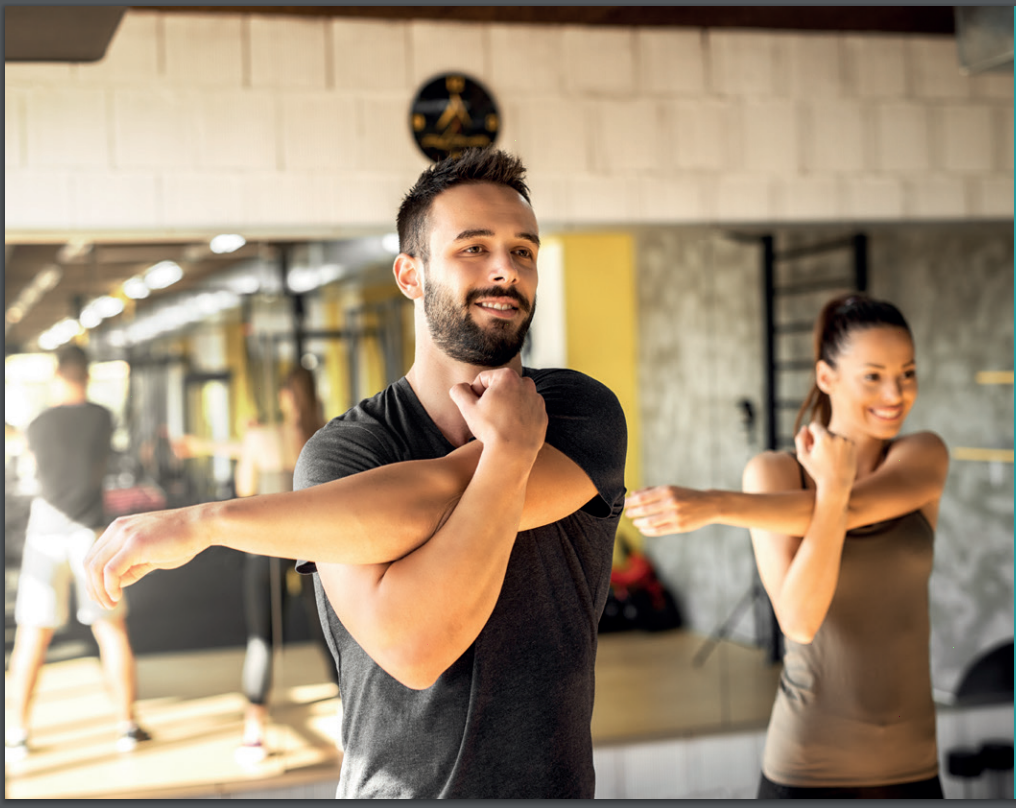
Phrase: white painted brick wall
{"type": "Point", "coordinates": [14, 122]}
{"type": "Point", "coordinates": [319, 131]}
{"type": "Point", "coordinates": [967, 137]}
{"type": "Point", "coordinates": [1006, 139]}
{"type": "Point", "coordinates": [448, 47]}
{"type": "Point", "coordinates": [618, 125]}
{"type": "Point", "coordinates": [870, 198]}
{"type": "Point", "coordinates": [815, 66]}
{"type": "Point", "coordinates": [876, 66]}
{"type": "Point", "coordinates": [528, 59]}
{"type": "Point", "coordinates": [603, 199]}
{"type": "Point", "coordinates": [199, 200]}
{"type": "Point", "coordinates": [936, 69]}
{"type": "Point", "coordinates": [993, 85]}
{"type": "Point", "coordinates": [747, 64]}
{"type": "Point", "coordinates": [902, 137]}
{"type": "Point", "coordinates": [154, 129]}
{"type": "Point", "coordinates": [743, 197]}
{"type": "Point", "coordinates": [237, 129]}
{"type": "Point", "coordinates": [386, 142]}
{"type": "Point", "coordinates": [38, 199]}
{"type": "Point", "coordinates": [205, 49]}
{"type": "Point", "coordinates": [671, 61]}
{"type": "Point", "coordinates": [134, 200]}
{"type": "Point", "coordinates": [702, 134]}
{"type": "Point", "coordinates": [664, 200]}
{"type": "Point", "coordinates": [368, 56]}
{"type": "Point", "coordinates": [554, 135]}
{"type": "Point", "coordinates": [770, 139]}
{"type": "Point", "coordinates": [358, 200]}
{"type": "Point", "coordinates": [629, 136]}
{"type": "Point", "coordinates": [599, 61]}
{"type": "Point", "coordinates": [809, 199]}
{"type": "Point", "coordinates": [834, 136]}
{"type": "Point", "coordinates": [288, 52]}
{"type": "Point", "coordinates": [67, 127]}
{"type": "Point", "coordinates": [993, 198]}
{"type": "Point", "coordinates": [133, 56]}
{"type": "Point", "coordinates": [297, 199]}
{"type": "Point", "coordinates": [934, 196]}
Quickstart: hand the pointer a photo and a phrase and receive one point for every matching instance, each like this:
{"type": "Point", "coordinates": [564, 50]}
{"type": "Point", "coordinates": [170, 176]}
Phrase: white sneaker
{"type": "Point", "coordinates": [250, 753]}
{"type": "Point", "coordinates": [129, 739]}
{"type": "Point", "coordinates": [15, 747]}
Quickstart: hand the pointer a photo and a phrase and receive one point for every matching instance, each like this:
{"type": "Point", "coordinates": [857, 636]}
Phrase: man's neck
{"type": "Point", "coordinates": [69, 395]}
{"type": "Point", "coordinates": [432, 375]}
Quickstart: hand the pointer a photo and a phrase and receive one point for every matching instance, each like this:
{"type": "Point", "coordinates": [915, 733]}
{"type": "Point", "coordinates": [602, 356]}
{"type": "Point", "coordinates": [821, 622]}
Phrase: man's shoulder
{"type": "Point", "coordinates": [373, 426]}
{"type": "Point", "coordinates": [566, 378]}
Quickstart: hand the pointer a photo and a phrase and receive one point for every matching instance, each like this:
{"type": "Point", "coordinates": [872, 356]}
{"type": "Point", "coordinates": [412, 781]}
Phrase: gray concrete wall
{"type": "Point", "coordinates": [700, 331]}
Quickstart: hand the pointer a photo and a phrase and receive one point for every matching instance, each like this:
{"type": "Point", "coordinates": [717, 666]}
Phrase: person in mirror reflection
{"type": "Point", "coordinates": [69, 444]}
{"type": "Point", "coordinates": [459, 525]}
{"type": "Point", "coordinates": [266, 458]}
{"type": "Point", "coordinates": [843, 531]}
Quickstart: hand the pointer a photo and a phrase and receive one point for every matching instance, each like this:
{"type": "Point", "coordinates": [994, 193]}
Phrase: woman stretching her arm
{"type": "Point", "coordinates": [842, 533]}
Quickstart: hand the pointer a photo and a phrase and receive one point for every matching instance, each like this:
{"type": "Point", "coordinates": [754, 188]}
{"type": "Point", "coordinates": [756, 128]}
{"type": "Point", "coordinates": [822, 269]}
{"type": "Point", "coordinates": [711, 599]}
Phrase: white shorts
{"type": "Point", "coordinates": [50, 562]}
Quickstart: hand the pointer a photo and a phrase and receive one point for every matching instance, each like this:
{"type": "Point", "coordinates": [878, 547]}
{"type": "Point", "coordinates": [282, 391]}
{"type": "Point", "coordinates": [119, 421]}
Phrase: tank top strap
{"type": "Point", "coordinates": [800, 469]}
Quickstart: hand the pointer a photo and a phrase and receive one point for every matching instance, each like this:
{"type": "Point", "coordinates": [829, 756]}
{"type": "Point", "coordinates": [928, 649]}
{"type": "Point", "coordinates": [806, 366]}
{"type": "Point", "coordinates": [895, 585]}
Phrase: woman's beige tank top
{"type": "Point", "coordinates": [854, 707]}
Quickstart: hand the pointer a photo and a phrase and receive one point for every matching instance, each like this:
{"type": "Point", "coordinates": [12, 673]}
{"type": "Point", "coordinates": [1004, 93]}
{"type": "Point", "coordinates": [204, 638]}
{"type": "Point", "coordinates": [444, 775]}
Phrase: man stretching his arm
{"type": "Point", "coordinates": [460, 524]}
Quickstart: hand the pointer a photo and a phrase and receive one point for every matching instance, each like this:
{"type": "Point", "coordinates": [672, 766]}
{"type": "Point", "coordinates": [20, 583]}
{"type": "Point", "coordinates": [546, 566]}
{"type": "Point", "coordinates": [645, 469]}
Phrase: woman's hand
{"type": "Point", "coordinates": [670, 509]}
{"type": "Point", "coordinates": [830, 459]}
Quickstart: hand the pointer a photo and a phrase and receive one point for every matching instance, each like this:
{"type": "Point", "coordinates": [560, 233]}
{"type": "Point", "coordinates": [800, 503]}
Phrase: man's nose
{"type": "Point", "coordinates": [503, 269]}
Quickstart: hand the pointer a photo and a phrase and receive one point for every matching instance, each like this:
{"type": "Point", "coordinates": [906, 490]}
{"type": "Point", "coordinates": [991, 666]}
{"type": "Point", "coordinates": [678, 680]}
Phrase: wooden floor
{"type": "Point", "coordinates": [647, 688]}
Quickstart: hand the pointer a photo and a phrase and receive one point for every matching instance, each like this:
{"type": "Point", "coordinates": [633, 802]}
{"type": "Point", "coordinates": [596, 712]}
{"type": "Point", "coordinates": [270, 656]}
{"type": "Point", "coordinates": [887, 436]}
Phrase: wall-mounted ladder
{"type": "Point", "coordinates": [797, 281]}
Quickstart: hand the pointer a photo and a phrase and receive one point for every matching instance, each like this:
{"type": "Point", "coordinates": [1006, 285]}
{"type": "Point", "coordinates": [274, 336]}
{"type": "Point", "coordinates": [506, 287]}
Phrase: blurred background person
{"type": "Point", "coordinates": [266, 457]}
{"type": "Point", "coordinates": [69, 444]}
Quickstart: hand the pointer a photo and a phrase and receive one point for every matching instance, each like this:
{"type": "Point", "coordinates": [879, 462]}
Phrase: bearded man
{"type": "Point", "coordinates": [459, 524]}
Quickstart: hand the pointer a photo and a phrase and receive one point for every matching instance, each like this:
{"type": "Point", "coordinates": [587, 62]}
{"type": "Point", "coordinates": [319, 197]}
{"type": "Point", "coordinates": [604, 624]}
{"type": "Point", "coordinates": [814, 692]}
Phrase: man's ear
{"type": "Point", "coordinates": [825, 375]}
{"type": "Point", "coordinates": [409, 275]}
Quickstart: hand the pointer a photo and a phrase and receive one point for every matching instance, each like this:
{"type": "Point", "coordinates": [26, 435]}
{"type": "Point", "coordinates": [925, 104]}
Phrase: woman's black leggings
{"type": "Point", "coordinates": [930, 789]}
{"type": "Point", "coordinates": [258, 572]}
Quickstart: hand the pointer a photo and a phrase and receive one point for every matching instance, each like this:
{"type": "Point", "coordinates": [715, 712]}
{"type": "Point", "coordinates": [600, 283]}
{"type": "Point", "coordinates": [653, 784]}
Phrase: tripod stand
{"type": "Point", "coordinates": [755, 596]}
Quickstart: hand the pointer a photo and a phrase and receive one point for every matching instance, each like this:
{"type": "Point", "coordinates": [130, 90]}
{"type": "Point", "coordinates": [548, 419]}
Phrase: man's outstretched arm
{"type": "Point", "coordinates": [376, 516]}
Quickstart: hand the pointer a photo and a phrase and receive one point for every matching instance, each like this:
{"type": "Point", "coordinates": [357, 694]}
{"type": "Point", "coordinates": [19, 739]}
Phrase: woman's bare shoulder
{"type": "Point", "coordinates": [771, 471]}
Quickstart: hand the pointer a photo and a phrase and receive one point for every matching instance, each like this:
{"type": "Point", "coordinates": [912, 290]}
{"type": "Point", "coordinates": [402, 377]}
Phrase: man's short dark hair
{"type": "Point", "coordinates": [472, 165]}
{"type": "Point", "coordinates": [72, 363]}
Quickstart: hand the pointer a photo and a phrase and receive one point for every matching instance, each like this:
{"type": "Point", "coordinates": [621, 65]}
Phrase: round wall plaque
{"type": "Point", "coordinates": [452, 113]}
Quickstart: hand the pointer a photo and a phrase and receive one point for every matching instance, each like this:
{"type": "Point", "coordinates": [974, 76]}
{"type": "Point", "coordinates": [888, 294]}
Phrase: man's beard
{"type": "Point", "coordinates": [456, 333]}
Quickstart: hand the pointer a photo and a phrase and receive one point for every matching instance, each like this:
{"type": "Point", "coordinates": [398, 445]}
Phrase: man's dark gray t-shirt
{"type": "Point", "coordinates": [511, 717]}
{"type": "Point", "coordinates": [71, 448]}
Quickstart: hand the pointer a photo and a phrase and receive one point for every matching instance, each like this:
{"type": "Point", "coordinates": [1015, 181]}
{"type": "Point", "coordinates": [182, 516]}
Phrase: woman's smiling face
{"type": "Point", "coordinates": [874, 383]}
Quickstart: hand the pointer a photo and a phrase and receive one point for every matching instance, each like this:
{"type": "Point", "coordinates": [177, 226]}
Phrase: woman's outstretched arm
{"type": "Point", "coordinates": [911, 478]}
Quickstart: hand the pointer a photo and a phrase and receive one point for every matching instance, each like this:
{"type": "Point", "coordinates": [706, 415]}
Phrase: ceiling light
{"type": "Point", "coordinates": [58, 334]}
{"type": "Point", "coordinates": [90, 317]}
{"type": "Point", "coordinates": [108, 306]}
{"type": "Point", "coordinates": [302, 279]}
{"type": "Point", "coordinates": [48, 278]}
{"type": "Point", "coordinates": [226, 243]}
{"type": "Point", "coordinates": [14, 314]}
{"type": "Point", "coordinates": [163, 274]}
{"type": "Point", "coordinates": [135, 288]}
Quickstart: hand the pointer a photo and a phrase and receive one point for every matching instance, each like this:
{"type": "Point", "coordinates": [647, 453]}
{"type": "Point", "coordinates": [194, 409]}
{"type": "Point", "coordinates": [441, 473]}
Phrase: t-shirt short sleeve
{"type": "Point", "coordinates": [339, 449]}
{"type": "Point", "coordinates": [586, 424]}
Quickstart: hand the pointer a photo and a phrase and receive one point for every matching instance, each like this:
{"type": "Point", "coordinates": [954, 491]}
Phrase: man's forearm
{"type": "Point", "coordinates": [372, 517]}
